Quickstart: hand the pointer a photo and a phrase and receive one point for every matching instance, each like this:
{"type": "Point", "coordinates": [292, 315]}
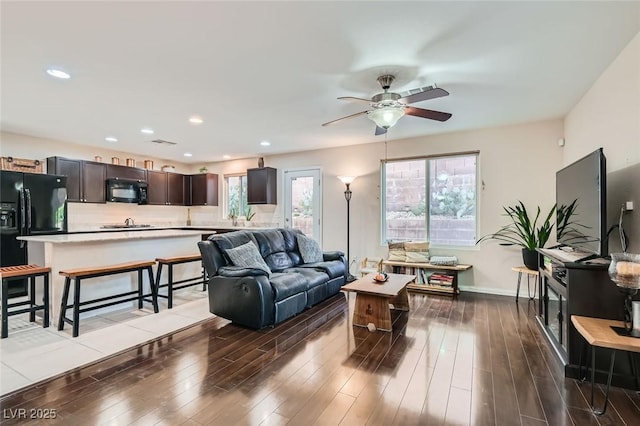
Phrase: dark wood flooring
{"type": "Point", "coordinates": [478, 360]}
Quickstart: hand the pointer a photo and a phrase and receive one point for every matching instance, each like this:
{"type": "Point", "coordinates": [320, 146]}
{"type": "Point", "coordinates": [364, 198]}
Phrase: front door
{"type": "Point", "coordinates": [303, 201]}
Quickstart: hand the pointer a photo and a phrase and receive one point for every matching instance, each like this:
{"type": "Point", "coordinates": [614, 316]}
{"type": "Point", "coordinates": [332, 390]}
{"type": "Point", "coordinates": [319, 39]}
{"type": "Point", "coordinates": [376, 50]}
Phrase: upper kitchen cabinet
{"type": "Point", "coordinates": [262, 186]}
{"type": "Point", "coordinates": [204, 189]}
{"type": "Point", "coordinates": [157, 187]}
{"type": "Point", "coordinates": [165, 188]}
{"type": "Point", "coordinates": [124, 172]}
{"type": "Point", "coordinates": [85, 179]}
{"type": "Point", "coordinates": [175, 189]}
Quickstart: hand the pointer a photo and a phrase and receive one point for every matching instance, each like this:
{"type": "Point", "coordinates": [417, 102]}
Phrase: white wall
{"type": "Point", "coordinates": [608, 115]}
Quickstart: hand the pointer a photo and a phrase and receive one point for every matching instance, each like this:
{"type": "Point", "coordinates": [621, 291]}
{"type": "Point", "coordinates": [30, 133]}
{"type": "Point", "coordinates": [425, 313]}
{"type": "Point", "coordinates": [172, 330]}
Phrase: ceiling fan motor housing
{"type": "Point", "coordinates": [385, 81]}
{"type": "Point", "coordinates": [386, 97]}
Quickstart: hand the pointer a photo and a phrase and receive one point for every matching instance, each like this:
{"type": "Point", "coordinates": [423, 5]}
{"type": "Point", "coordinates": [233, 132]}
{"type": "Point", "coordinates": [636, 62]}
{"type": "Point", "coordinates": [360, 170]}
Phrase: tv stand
{"type": "Point", "coordinates": [572, 285]}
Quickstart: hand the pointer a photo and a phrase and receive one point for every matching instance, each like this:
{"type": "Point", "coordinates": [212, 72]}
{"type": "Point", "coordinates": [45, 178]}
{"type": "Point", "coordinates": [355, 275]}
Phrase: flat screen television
{"type": "Point", "coordinates": [582, 205]}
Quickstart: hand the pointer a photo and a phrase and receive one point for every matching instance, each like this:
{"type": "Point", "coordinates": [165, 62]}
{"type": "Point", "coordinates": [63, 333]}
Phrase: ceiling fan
{"type": "Point", "coordinates": [388, 107]}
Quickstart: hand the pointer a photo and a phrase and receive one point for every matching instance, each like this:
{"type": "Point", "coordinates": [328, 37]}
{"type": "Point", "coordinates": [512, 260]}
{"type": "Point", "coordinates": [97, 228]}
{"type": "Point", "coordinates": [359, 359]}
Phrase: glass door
{"type": "Point", "coordinates": [303, 201]}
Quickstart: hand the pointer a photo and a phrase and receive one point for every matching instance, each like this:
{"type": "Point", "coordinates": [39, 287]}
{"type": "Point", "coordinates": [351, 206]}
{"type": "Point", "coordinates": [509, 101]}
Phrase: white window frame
{"type": "Point", "coordinates": [225, 211]}
{"type": "Point", "coordinates": [383, 201]}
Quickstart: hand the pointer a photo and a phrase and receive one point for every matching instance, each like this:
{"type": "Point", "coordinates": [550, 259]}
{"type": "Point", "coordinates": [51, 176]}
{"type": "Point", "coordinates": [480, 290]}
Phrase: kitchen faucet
{"type": "Point", "coordinates": [128, 221]}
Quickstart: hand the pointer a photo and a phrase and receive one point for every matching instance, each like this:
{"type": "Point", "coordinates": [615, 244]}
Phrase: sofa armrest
{"type": "Point", "coordinates": [241, 271]}
{"type": "Point", "coordinates": [246, 300]}
{"type": "Point", "coordinates": [332, 255]}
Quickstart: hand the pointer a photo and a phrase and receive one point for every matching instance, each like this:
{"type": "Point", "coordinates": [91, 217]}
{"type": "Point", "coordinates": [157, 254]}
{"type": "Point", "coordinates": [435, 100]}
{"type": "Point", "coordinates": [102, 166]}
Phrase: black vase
{"type": "Point", "coordinates": [530, 258]}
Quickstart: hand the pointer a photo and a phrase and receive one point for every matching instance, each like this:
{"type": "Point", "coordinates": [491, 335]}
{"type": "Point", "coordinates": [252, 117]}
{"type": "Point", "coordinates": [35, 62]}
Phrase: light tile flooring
{"type": "Point", "coordinates": [31, 353]}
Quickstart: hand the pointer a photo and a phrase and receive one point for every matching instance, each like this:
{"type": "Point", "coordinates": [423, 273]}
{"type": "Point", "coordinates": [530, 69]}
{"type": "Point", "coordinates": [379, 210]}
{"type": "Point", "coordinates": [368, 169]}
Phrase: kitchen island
{"type": "Point", "coordinates": [69, 251]}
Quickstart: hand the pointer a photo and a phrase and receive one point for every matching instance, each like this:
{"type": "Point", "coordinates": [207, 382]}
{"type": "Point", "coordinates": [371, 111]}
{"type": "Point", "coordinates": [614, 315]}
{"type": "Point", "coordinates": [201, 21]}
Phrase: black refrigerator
{"type": "Point", "coordinates": [30, 204]}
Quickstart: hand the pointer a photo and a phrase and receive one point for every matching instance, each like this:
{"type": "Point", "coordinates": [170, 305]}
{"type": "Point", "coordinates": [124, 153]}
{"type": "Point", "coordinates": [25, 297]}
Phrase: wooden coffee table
{"type": "Point", "coordinates": [373, 299]}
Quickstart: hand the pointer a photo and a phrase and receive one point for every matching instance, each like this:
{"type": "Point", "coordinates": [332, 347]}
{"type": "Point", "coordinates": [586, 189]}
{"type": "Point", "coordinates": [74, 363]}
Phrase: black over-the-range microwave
{"type": "Point", "coordinates": [126, 191]}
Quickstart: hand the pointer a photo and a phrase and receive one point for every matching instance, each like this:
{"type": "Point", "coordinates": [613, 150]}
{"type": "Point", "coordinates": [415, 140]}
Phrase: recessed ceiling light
{"type": "Point", "coordinates": [226, 157]}
{"type": "Point", "coordinates": [147, 131]}
{"type": "Point", "coordinates": [196, 119]}
{"type": "Point", "coordinates": [265, 143]}
{"type": "Point", "coordinates": [111, 139]}
{"type": "Point", "coordinates": [188, 154]}
{"type": "Point", "coordinates": [54, 72]}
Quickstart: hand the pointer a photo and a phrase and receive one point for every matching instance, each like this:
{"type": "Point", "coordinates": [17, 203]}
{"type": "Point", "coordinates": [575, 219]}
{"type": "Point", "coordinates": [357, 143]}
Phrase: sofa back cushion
{"type": "Point", "coordinates": [291, 244]}
{"type": "Point", "coordinates": [272, 248]}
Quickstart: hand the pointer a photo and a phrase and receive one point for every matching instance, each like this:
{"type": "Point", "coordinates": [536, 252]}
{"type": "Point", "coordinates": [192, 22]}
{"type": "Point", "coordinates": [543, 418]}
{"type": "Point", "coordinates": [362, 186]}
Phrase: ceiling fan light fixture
{"type": "Point", "coordinates": [386, 117]}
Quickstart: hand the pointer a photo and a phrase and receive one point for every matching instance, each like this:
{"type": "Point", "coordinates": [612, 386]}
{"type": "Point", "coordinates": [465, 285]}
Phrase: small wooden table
{"type": "Point", "coordinates": [373, 299]}
{"type": "Point", "coordinates": [598, 333]}
{"type": "Point", "coordinates": [530, 272]}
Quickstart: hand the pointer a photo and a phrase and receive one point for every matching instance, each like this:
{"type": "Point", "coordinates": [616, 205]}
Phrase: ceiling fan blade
{"type": "Point", "coordinates": [351, 98]}
{"type": "Point", "coordinates": [427, 113]}
{"type": "Point", "coordinates": [423, 94]}
{"type": "Point", "coordinates": [380, 130]}
{"type": "Point", "coordinates": [344, 118]}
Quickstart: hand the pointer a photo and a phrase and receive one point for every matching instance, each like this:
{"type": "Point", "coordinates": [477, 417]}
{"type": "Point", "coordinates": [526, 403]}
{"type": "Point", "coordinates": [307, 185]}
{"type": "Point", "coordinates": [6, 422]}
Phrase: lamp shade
{"type": "Point", "coordinates": [386, 117]}
{"type": "Point", "coordinates": [347, 180]}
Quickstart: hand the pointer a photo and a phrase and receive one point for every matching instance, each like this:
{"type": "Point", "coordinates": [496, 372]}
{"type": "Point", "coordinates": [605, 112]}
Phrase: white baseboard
{"type": "Point", "coordinates": [496, 291]}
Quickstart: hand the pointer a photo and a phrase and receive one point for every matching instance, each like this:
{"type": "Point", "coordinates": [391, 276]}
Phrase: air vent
{"type": "Point", "coordinates": [419, 90]}
{"type": "Point", "coordinates": [163, 142]}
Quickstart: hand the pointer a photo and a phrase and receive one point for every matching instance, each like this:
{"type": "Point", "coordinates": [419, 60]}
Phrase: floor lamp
{"type": "Point", "coordinates": [347, 180]}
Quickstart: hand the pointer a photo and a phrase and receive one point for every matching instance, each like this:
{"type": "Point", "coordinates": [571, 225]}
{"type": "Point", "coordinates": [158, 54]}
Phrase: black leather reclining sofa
{"type": "Point", "coordinates": [249, 296]}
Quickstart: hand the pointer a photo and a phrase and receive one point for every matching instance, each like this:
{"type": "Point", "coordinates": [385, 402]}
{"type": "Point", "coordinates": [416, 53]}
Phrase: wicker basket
{"type": "Point", "coordinates": [21, 165]}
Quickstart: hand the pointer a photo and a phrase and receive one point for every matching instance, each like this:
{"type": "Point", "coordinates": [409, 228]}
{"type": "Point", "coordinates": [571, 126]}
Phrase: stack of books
{"type": "Point", "coordinates": [441, 279]}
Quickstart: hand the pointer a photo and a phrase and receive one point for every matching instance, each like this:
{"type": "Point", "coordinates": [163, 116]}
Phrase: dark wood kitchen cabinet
{"type": "Point", "coordinates": [157, 187]}
{"type": "Point", "coordinates": [262, 186]}
{"type": "Point", "coordinates": [124, 172]}
{"type": "Point", "coordinates": [85, 179]}
{"type": "Point", "coordinates": [204, 189]}
{"type": "Point", "coordinates": [175, 189]}
{"type": "Point", "coordinates": [165, 188]}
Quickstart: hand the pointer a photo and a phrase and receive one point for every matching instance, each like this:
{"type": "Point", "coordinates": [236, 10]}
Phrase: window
{"type": "Point", "coordinates": [430, 198]}
{"type": "Point", "coordinates": [236, 195]}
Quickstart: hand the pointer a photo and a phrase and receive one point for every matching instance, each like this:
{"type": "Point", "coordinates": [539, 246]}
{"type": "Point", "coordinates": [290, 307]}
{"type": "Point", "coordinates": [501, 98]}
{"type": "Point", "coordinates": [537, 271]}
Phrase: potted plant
{"type": "Point", "coordinates": [524, 232]}
{"type": "Point", "coordinates": [233, 215]}
{"type": "Point", "coordinates": [203, 169]}
{"type": "Point", "coordinates": [249, 214]}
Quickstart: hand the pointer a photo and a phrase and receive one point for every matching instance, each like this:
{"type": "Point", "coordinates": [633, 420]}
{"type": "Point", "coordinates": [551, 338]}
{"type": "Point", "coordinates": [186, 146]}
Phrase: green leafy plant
{"type": "Point", "coordinates": [567, 229]}
{"type": "Point", "coordinates": [249, 213]}
{"type": "Point", "coordinates": [522, 231]}
{"type": "Point", "coordinates": [203, 169]}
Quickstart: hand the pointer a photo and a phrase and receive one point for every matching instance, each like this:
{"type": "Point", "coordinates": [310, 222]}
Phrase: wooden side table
{"type": "Point", "coordinates": [598, 333]}
{"type": "Point", "coordinates": [529, 272]}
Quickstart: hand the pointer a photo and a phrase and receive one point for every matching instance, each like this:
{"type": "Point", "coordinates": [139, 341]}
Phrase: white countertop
{"type": "Point", "coordinates": [110, 236]}
{"type": "Point", "coordinates": [86, 229]}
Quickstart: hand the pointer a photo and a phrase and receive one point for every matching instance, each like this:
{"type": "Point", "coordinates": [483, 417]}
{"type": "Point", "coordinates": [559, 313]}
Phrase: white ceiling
{"type": "Point", "coordinates": [273, 70]}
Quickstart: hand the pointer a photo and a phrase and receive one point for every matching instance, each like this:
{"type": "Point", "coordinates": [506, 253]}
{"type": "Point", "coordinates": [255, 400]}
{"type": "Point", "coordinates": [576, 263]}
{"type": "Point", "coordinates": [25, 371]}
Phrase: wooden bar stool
{"type": "Point", "coordinates": [100, 271]}
{"type": "Point", "coordinates": [530, 272]}
{"type": "Point", "coordinates": [24, 271]}
{"type": "Point", "coordinates": [171, 284]}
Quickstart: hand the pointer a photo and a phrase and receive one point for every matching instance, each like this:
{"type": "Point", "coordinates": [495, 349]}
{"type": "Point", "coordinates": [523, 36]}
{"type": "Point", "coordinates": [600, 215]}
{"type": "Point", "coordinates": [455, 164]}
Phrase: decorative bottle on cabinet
{"type": "Point", "coordinates": [188, 217]}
